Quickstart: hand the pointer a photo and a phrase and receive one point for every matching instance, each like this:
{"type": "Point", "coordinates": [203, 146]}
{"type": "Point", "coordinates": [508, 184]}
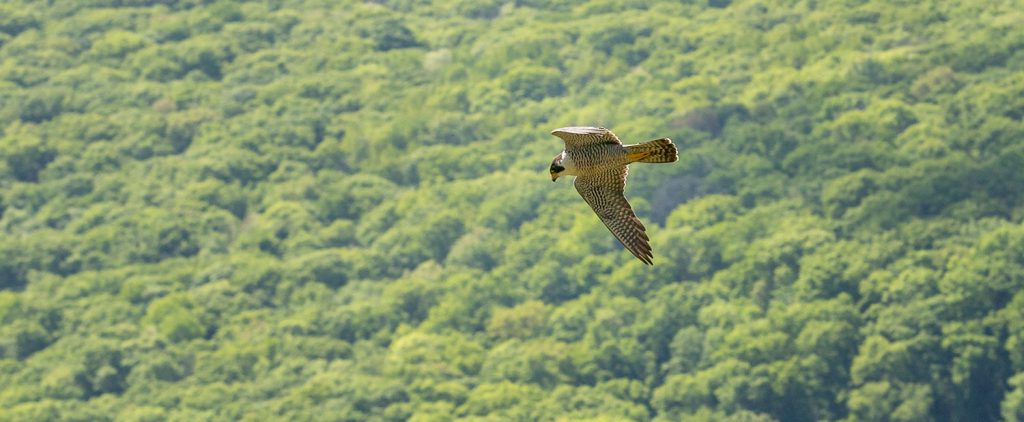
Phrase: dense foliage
{"type": "Point", "coordinates": [319, 210]}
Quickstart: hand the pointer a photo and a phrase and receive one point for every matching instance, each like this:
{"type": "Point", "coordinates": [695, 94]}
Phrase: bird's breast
{"type": "Point", "coordinates": [597, 157]}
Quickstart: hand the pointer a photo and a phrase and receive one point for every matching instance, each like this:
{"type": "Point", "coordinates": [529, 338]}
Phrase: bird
{"type": "Point", "coordinates": [600, 163]}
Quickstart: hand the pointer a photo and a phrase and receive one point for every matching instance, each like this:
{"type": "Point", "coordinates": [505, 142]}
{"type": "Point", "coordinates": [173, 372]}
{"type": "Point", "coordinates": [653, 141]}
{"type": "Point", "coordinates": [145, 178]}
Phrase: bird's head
{"type": "Point", "coordinates": [556, 167]}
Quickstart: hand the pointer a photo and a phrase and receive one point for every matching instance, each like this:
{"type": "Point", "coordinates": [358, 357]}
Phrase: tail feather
{"type": "Point", "coordinates": [658, 151]}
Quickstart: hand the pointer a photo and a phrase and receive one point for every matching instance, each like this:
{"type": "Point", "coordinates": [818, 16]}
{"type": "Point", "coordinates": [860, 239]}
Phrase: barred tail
{"type": "Point", "coordinates": [656, 151]}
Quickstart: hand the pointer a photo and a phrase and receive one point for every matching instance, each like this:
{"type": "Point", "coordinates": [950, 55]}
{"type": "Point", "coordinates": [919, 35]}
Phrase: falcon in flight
{"type": "Point", "coordinates": [599, 161]}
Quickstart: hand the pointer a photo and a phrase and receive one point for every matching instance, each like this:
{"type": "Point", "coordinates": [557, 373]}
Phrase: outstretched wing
{"type": "Point", "coordinates": [576, 137]}
{"type": "Point", "coordinates": [603, 192]}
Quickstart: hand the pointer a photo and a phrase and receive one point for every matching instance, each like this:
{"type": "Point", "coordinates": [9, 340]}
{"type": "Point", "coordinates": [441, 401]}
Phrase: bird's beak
{"type": "Point", "coordinates": [554, 177]}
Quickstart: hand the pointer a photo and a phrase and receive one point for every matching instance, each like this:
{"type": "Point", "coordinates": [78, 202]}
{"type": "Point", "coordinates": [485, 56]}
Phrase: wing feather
{"type": "Point", "coordinates": [604, 193]}
{"type": "Point", "coordinates": [576, 137]}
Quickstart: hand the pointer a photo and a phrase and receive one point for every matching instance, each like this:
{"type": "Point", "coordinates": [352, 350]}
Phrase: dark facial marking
{"type": "Point", "coordinates": [555, 168]}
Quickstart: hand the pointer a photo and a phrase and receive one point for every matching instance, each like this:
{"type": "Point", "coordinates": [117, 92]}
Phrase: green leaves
{"type": "Point", "coordinates": [534, 83]}
{"type": "Point", "coordinates": [388, 34]}
{"type": "Point", "coordinates": [174, 318]}
{"type": "Point", "coordinates": [26, 157]}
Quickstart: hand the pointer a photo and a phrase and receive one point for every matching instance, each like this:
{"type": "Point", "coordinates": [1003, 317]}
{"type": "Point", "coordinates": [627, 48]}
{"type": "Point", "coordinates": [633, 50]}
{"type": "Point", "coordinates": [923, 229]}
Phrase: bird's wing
{"type": "Point", "coordinates": [603, 192]}
{"type": "Point", "coordinates": [576, 137]}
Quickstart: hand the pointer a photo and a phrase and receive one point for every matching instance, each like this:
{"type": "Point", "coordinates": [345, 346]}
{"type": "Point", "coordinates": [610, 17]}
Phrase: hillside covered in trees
{"type": "Point", "coordinates": [319, 210]}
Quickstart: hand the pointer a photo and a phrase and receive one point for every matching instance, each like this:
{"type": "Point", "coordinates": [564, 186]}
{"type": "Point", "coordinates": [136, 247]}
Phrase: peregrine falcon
{"type": "Point", "coordinates": [599, 161]}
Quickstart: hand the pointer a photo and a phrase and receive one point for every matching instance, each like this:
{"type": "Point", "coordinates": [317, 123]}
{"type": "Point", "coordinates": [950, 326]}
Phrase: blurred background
{"type": "Point", "coordinates": [321, 210]}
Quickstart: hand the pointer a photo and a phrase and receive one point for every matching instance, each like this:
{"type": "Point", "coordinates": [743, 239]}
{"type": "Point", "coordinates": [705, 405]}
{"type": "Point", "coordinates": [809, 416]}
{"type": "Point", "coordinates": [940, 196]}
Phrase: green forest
{"type": "Point", "coordinates": [314, 210]}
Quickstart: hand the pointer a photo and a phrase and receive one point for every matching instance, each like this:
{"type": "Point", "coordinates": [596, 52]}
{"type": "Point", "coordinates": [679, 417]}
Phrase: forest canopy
{"type": "Point", "coordinates": [319, 210]}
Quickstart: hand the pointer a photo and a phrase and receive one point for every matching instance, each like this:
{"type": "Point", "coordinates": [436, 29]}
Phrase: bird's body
{"type": "Point", "coordinates": [593, 159]}
{"type": "Point", "coordinates": [599, 161]}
